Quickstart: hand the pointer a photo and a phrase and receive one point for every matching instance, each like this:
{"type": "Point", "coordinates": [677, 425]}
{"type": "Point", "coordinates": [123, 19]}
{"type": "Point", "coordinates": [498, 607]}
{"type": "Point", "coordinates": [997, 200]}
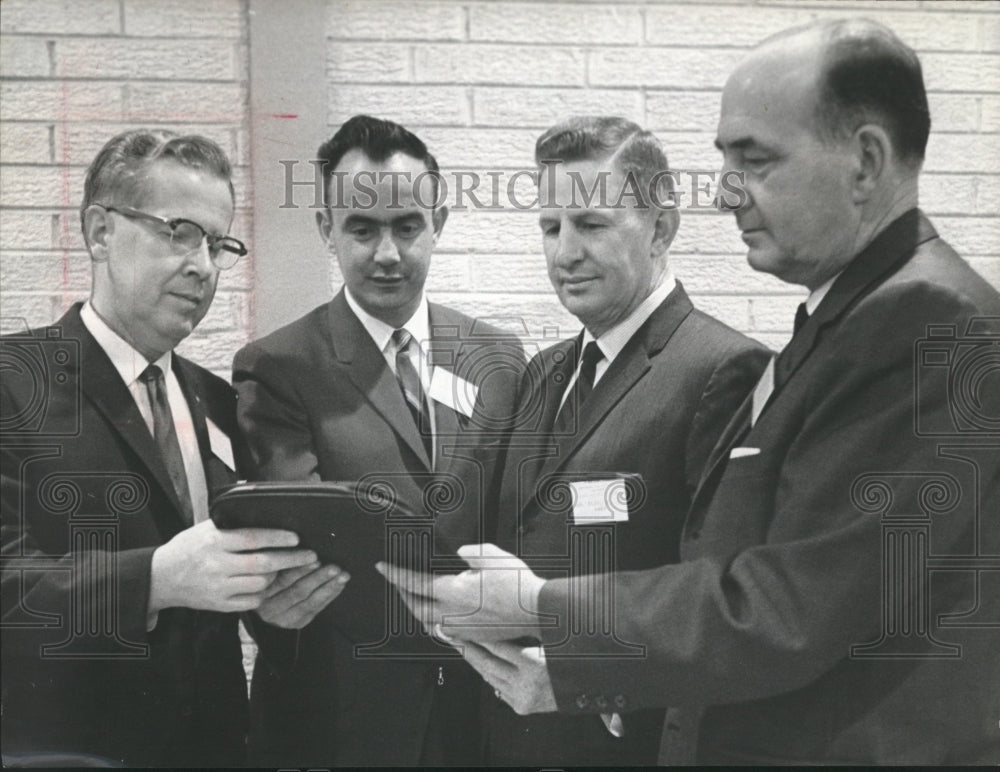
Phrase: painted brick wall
{"type": "Point", "coordinates": [480, 80]}
{"type": "Point", "coordinates": [73, 75]}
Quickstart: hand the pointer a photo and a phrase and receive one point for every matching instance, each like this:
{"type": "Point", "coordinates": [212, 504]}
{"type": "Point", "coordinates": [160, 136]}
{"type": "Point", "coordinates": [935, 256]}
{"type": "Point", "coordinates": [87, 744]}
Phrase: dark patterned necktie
{"type": "Point", "coordinates": [592, 354]}
{"type": "Point", "coordinates": [413, 390]}
{"type": "Point", "coordinates": [165, 436]}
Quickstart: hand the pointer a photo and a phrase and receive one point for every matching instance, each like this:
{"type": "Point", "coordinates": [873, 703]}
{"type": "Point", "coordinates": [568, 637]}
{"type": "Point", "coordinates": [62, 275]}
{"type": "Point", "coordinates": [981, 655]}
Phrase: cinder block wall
{"type": "Point", "coordinates": [479, 81]}
{"type": "Point", "coordinates": [73, 75]}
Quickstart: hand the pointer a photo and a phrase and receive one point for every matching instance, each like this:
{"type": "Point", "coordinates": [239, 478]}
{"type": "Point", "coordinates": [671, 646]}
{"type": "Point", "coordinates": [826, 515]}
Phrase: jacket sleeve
{"type": "Point", "coordinates": [778, 614]}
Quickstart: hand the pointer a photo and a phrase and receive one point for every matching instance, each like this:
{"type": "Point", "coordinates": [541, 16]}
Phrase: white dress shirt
{"type": "Point", "coordinates": [612, 342]}
{"type": "Point", "coordinates": [130, 363]}
{"type": "Point", "coordinates": [419, 327]}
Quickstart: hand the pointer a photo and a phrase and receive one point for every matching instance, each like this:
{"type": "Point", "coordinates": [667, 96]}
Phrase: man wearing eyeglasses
{"type": "Point", "coordinates": [117, 640]}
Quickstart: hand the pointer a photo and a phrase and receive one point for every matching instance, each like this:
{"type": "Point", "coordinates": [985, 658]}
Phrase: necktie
{"type": "Point", "coordinates": [801, 317]}
{"type": "Point", "coordinates": [165, 436]}
{"type": "Point", "coordinates": [413, 390]}
{"type": "Point", "coordinates": [592, 354]}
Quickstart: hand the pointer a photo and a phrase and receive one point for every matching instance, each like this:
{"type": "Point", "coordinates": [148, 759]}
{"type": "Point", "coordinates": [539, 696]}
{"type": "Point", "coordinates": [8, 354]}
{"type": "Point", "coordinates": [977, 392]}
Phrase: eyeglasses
{"type": "Point", "coordinates": [223, 251]}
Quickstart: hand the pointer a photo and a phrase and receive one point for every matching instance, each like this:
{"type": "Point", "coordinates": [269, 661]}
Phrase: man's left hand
{"type": "Point", "coordinates": [496, 600]}
{"type": "Point", "coordinates": [517, 673]}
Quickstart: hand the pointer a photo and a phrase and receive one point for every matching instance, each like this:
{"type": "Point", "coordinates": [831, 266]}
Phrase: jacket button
{"type": "Point", "coordinates": [582, 701]}
{"type": "Point", "coordinates": [601, 702]}
{"type": "Point", "coordinates": [524, 530]}
{"type": "Point", "coordinates": [620, 701]}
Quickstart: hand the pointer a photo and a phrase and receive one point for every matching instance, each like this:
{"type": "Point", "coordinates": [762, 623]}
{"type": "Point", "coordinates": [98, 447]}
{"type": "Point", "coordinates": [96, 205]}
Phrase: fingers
{"type": "Point", "coordinates": [272, 562]}
{"type": "Point", "coordinates": [405, 580]}
{"type": "Point", "coordinates": [248, 539]}
{"type": "Point", "coordinates": [480, 556]}
{"type": "Point", "coordinates": [296, 606]}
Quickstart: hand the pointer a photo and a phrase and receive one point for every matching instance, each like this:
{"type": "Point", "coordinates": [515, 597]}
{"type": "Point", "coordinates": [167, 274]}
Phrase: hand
{"type": "Point", "coordinates": [205, 568]}
{"type": "Point", "coordinates": [517, 673]}
{"type": "Point", "coordinates": [297, 595]}
{"type": "Point", "coordinates": [496, 600]}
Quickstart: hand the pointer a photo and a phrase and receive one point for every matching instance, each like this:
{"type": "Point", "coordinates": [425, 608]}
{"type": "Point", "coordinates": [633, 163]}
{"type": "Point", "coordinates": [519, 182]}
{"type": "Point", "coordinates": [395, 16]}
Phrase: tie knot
{"type": "Point", "coordinates": [592, 354]}
{"type": "Point", "coordinates": [401, 339]}
{"type": "Point", "coordinates": [152, 374]}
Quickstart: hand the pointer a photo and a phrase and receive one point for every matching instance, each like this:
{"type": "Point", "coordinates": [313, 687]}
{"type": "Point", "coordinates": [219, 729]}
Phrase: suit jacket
{"type": "Point", "coordinates": [808, 621]}
{"type": "Point", "coordinates": [86, 501]}
{"type": "Point", "coordinates": [654, 415]}
{"type": "Point", "coordinates": [318, 402]}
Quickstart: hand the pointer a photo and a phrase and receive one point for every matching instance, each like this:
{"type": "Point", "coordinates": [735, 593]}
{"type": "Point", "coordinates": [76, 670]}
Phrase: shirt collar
{"type": "Point", "coordinates": [126, 360]}
{"type": "Point", "coordinates": [614, 340]}
{"type": "Point", "coordinates": [817, 295]}
{"type": "Point", "coordinates": [418, 325]}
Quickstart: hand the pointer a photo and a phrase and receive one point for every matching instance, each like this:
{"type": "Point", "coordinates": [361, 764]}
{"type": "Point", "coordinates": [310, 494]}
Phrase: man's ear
{"type": "Point", "coordinates": [324, 222]}
{"type": "Point", "coordinates": [98, 225]}
{"type": "Point", "coordinates": [664, 229]}
{"type": "Point", "coordinates": [438, 218]}
{"type": "Point", "coordinates": [872, 150]}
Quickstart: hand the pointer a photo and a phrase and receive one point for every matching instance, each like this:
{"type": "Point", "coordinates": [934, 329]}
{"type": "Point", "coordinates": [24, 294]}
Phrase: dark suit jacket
{"type": "Point", "coordinates": [86, 501]}
{"type": "Point", "coordinates": [317, 401]}
{"type": "Point", "coordinates": [655, 414]}
{"type": "Point", "coordinates": [804, 619]}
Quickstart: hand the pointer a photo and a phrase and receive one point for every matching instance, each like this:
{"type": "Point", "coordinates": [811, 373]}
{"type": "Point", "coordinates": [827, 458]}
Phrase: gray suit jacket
{"type": "Point", "coordinates": [318, 402]}
{"type": "Point", "coordinates": [654, 416]}
{"type": "Point", "coordinates": [808, 620]}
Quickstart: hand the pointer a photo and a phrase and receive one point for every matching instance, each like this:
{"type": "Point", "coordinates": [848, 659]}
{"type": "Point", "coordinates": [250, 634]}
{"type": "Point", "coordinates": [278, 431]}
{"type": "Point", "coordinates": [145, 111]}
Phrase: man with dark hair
{"type": "Point", "coordinates": [629, 421]}
{"type": "Point", "coordinates": [802, 624]}
{"type": "Point", "coordinates": [116, 640]}
{"type": "Point", "coordinates": [383, 387]}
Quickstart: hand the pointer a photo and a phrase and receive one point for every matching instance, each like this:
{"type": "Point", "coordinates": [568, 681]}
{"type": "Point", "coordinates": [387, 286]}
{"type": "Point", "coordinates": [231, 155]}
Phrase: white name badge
{"type": "Point", "coordinates": [761, 394]}
{"type": "Point", "coordinates": [599, 501]}
{"type": "Point", "coordinates": [221, 445]}
{"type": "Point", "coordinates": [453, 391]}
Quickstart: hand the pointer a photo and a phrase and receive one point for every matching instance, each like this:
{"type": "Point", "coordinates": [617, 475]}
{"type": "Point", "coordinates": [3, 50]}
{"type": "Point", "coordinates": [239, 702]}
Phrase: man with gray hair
{"type": "Point", "coordinates": [627, 412]}
{"type": "Point", "coordinates": [118, 643]}
{"type": "Point", "coordinates": [836, 600]}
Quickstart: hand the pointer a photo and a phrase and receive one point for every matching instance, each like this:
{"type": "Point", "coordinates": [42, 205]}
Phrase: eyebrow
{"type": "Point", "coordinates": [736, 144]}
{"type": "Point", "coordinates": [355, 219]}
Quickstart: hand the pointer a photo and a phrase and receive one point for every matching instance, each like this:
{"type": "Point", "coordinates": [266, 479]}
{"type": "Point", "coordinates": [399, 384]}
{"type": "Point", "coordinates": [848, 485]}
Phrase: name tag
{"type": "Point", "coordinates": [221, 445]}
{"type": "Point", "coordinates": [600, 501]}
{"type": "Point", "coordinates": [453, 391]}
{"type": "Point", "coordinates": [761, 394]}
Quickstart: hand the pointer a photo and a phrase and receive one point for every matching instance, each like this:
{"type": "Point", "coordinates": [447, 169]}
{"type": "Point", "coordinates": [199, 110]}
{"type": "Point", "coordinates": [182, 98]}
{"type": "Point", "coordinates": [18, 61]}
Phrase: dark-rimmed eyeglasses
{"type": "Point", "coordinates": [187, 235]}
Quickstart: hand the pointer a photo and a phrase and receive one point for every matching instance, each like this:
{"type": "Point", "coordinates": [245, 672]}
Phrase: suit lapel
{"type": "Point", "coordinates": [623, 373]}
{"type": "Point", "coordinates": [883, 256]}
{"type": "Point", "coordinates": [893, 247]}
{"type": "Point", "coordinates": [103, 386]}
{"type": "Point", "coordinates": [188, 380]}
{"type": "Point", "coordinates": [366, 366]}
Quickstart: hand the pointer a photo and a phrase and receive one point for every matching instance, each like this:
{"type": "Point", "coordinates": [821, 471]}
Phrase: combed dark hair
{"type": "Point", "coordinates": [592, 137]}
{"type": "Point", "coordinates": [115, 172]}
{"type": "Point", "coordinates": [868, 75]}
{"type": "Point", "coordinates": [378, 139]}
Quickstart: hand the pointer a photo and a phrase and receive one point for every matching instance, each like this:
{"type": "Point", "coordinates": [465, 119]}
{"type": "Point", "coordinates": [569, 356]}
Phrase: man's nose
{"type": "Point", "coordinates": [386, 252]}
{"type": "Point", "coordinates": [570, 248]}
{"type": "Point", "coordinates": [731, 194]}
{"type": "Point", "coordinates": [199, 260]}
